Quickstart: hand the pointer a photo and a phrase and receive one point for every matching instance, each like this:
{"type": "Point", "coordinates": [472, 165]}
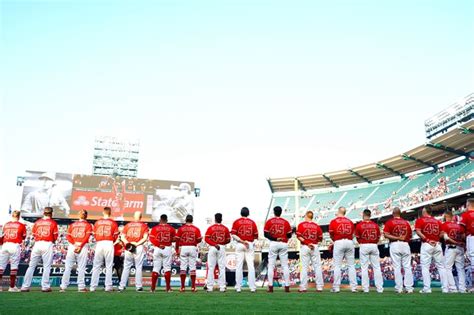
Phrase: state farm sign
{"type": "Point", "coordinates": [123, 205]}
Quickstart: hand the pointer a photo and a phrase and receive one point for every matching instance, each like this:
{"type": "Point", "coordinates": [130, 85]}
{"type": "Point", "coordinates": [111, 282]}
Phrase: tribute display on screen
{"type": "Point", "coordinates": [70, 193]}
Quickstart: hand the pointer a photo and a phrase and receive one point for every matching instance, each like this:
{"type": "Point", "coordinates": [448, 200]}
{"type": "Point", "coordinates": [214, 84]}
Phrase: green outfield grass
{"type": "Point", "coordinates": [201, 302]}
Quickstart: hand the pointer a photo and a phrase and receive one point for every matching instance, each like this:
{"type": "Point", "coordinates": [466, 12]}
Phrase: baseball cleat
{"type": "Point", "coordinates": [62, 290]}
{"type": "Point", "coordinates": [46, 290]}
{"type": "Point", "coordinates": [319, 290]}
{"type": "Point", "coordinates": [287, 289]}
{"type": "Point", "coordinates": [193, 290]}
{"type": "Point", "coordinates": [14, 289]}
{"type": "Point", "coordinates": [409, 292]}
{"type": "Point", "coordinates": [83, 290]}
{"type": "Point", "coordinates": [270, 289]}
{"type": "Point", "coordinates": [25, 290]}
{"type": "Point", "coordinates": [302, 291]}
{"type": "Point", "coordinates": [1, 289]}
{"type": "Point", "coordinates": [139, 289]}
{"type": "Point", "coordinates": [335, 290]}
{"type": "Point", "coordinates": [169, 290]}
{"type": "Point", "coordinates": [253, 291]}
{"type": "Point", "coordinates": [238, 290]}
{"type": "Point", "coordinates": [425, 291]}
{"type": "Point", "coordinates": [355, 291]}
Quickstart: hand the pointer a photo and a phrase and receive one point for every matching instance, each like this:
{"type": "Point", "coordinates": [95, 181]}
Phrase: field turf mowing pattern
{"type": "Point", "coordinates": [131, 302]}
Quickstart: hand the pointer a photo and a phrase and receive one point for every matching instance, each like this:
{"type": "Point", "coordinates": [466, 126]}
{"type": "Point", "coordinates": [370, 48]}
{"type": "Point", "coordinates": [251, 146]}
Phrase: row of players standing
{"type": "Point", "coordinates": [244, 232]}
{"type": "Point", "coordinates": [134, 236]}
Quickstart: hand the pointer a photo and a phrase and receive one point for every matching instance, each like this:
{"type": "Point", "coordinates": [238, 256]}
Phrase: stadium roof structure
{"type": "Point", "coordinates": [453, 144]}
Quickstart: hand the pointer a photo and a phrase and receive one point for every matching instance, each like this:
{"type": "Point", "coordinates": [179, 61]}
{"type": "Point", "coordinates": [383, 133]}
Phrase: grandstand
{"type": "Point", "coordinates": [435, 171]}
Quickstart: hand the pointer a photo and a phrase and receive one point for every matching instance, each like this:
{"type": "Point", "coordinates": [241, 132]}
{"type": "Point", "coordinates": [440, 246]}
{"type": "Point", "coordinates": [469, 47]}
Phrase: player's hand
{"type": "Point", "coordinates": [77, 250]}
{"type": "Point", "coordinates": [246, 244]}
{"type": "Point", "coordinates": [217, 247]}
{"type": "Point", "coordinates": [311, 246]}
{"type": "Point", "coordinates": [161, 247]}
{"type": "Point", "coordinates": [432, 243]}
{"type": "Point", "coordinates": [279, 239]}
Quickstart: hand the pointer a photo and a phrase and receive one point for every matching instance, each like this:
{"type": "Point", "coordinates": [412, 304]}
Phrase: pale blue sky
{"type": "Point", "coordinates": [227, 93]}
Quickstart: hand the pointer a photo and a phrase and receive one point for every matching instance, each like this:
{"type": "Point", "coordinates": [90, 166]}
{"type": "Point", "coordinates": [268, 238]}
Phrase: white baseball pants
{"type": "Point", "coordinates": [71, 259]}
{"type": "Point", "coordinates": [455, 256]}
{"type": "Point", "coordinates": [427, 254]}
{"type": "Point", "coordinates": [216, 257]}
{"type": "Point", "coordinates": [344, 249]}
{"type": "Point", "coordinates": [162, 258]}
{"type": "Point", "coordinates": [104, 251]}
{"type": "Point", "coordinates": [400, 254]}
{"type": "Point", "coordinates": [187, 258]}
{"type": "Point", "coordinates": [10, 253]}
{"type": "Point", "coordinates": [247, 254]}
{"type": "Point", "coordinates": [311, 257]}
{"type": "Point", "coordinates": [278, 249]}
{"type": "Point", "coordinates": [41, 251]}
{"type": "Point", "coordinates": [133, 259]}
{"type": "Point", "coordinates": [369, 253]}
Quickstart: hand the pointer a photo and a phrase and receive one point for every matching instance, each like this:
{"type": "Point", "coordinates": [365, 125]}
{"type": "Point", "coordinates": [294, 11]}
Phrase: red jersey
{"type": "Point", "coordinates": [105, 230]}
{"type": "Point", "coordinates": [278, 228]}
{"type": "Point", "coordinates": [45, 230]}
{"type": "Point", "coordinates": [188, 235]}
{"type": "Point", "coordinates": [79, 232]}
{"type": "Point", "coordinates": [135, 231]}
{"type": "Point", "coordinates": [367, 232]}
{"type": "Point", "coordinates": [162, 235]}
{"type": "Point", "coordinates": [430, 227]}
{"type": "Point", "coordinates": [467, 219]}
{"type": "Point", "coordinates": [454, 230]}
{"type": "Point", "coordinates": [398, 227]}
{"type": "Point", "coordinates": [245, 229]}
{"type": "Point", "coordinates": [341, 228]}
{"type": "Point", "coordinates": [118, 249]}
{"type": "Point", "coordinates": [310, 232]}
{"type": "Point", "coordinates": [14, 232]}
{"type": "Point", "coordinates": [217, 234]}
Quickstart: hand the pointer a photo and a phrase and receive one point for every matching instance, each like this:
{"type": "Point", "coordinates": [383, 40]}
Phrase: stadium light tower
{"type": "Point", "coordinates": [115, 157]}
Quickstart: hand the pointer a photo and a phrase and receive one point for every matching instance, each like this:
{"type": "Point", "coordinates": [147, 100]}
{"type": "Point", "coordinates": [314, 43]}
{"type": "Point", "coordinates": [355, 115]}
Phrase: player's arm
{"type": "Point", "coordinates": [233, 232]}
{"type": "Point", "coordinates": [269, 236]}
{"type": "Point", "coordinates": [227, 237]}
{"type": "Point", "coordinates": [208, 239]}
{"type": "Point", "coordinates": [143, 240]}
{"type": "Point", "coordinates": [255, 230]}
{"type": "Point", "coordinates": [331, 231]}
{"type": "Point", "coordinates": [55, 232]}
{"type": "Point", "coordinates": [69, 235]}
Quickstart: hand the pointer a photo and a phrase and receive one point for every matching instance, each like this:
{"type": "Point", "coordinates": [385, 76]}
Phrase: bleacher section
{"type": "Point", "coordinates": [380, 197]}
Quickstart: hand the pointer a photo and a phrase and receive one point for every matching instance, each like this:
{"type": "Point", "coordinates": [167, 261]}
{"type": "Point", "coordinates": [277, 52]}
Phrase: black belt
{"type": "Point", "coordinates": [452, 246]}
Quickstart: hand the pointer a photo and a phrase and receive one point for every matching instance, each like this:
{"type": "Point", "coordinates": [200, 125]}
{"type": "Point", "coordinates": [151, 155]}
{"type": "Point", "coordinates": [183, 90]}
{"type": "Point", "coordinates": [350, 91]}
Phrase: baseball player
{"type": "Point", "coordinates": [187, 239]}
{"type": "Point", "coordinates": [45, 232]}
{"type": "Point", "coordinates": [217, 236]}
{"type": "Point", "coordinates": [367, 233]}
{"type": "Point", "coordinates": [310, 234]}
{"type": "Point", "coordinates": [398, 232]}
{"type": "Point", "coordinates": [136, 234]}
{"type": "Point", "coordinates": [78, 234]}
{"type": "Point", "coordinates": [244, 232]}
{"type": "Point", "coordinates": [454, 253]}
{"type": "Point", "coordinates": [467, 220]}
{"type": "Point", "coordinates": [105, 233]}
{"type": "Point", "coordinates": [278, 231]}
{"type": "Point", "coordinates": [162, 236]}
{"type": "Point", "coordinates": [429, 230]}
{"type": "Point", "coordinates": [14, 232]}
{"type": "Point", "coordinates": [341, 230]}
{"type": "Point", "coordinates": [119, 255]}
